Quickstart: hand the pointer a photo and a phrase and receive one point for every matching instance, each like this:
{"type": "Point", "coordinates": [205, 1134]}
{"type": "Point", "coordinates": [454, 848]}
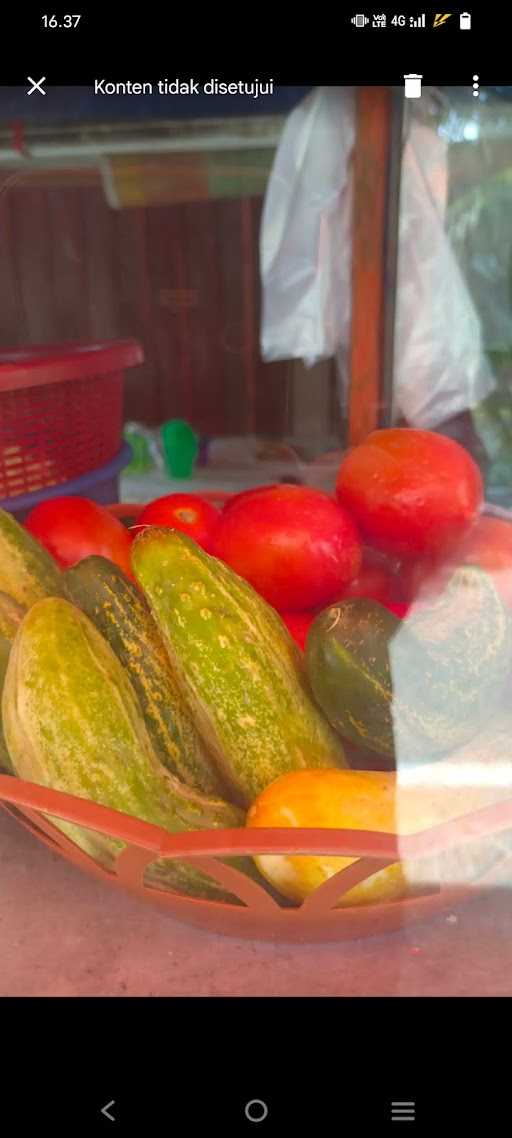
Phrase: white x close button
{"type": "Point", "coordinates": [36, 85]}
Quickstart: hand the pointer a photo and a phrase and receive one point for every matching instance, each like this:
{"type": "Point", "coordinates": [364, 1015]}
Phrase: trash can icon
{"type": "Point", "coordinates": [413, 86]}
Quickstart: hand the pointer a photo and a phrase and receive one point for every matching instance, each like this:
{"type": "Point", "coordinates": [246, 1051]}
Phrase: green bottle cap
{"type": "Point", "coordinates": [180, 446]}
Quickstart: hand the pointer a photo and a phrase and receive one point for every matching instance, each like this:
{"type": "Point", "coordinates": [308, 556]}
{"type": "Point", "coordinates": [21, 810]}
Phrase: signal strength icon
{"type": "Point", "coordinates": [419, 22]}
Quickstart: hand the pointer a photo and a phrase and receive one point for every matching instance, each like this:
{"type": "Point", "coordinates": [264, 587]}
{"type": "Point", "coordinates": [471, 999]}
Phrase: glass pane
{"type": "Point", "coordinates": [205, 299]}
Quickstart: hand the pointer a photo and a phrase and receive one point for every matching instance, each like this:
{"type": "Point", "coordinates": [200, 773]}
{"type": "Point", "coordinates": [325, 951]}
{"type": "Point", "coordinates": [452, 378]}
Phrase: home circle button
{"type": "Point", "coordinates": [256, 1110]}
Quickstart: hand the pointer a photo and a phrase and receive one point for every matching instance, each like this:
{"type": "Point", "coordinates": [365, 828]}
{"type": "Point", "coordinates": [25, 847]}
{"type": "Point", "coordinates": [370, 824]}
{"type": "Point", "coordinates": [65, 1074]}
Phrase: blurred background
{"type": "Point", "coordinates": [151, 219]}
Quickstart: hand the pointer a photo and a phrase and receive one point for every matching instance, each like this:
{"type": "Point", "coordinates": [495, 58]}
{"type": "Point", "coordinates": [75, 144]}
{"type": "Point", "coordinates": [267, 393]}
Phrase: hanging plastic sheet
{"type": "Point", "coordinates": [440, 365]}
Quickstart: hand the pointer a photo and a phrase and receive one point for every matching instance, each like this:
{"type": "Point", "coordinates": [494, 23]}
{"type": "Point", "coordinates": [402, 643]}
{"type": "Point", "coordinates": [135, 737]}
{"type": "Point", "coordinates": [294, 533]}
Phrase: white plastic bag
{"type": "Point", "coordinates": [305, 254]}
{"type": "Point", "coordinates": [305, 231]}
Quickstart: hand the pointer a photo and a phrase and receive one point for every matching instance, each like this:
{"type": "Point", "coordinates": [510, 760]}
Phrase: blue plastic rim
{"type": "Point", "coordinates": [101, 485]}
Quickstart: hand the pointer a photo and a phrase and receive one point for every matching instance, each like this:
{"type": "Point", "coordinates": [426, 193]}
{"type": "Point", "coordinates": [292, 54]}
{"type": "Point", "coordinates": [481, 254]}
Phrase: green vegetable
{"type": "Point", "coordinates": [118, 609]}
{"type": "Point", "coordinates": [27, 571]}
{"type": "Point", "coordinates": [5, 761]}
{"type": "Point", "coordinates": [236, 663]}
{"type": "Point", "coordinates": [72, 722]}
{"type": "Point", "coordinates": [11, 616]}
{"type": "Point", "coordinates": [417, 688]}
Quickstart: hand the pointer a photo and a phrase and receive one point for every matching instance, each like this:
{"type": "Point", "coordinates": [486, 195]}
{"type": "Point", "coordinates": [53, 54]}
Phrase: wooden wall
{"type": "Point", "coordinates": [183, 279]}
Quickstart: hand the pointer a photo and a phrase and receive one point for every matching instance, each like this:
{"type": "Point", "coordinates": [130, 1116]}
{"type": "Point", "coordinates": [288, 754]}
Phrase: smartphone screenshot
{"type": "Point", "coordinates": [255, 570]}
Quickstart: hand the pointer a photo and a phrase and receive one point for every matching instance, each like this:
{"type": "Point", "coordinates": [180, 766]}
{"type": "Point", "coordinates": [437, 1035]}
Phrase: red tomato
{"type": "Point", "coordinates": [298, 624]}
{"type": "Point", "coordinates": [74, 528]}
{"type": "Point", "coordinates": [488, 545]}
{"type": "Point", "coordinates": [426, 577]}
{"type": "Point", "coordinates": [293, 544]}
{"type": "Point", "coordinates": [188, 513]}
{"type": "Point", "coordinates": [235, 499]}
{"type": "Point", "coordinates": [399, 608]}
{"type": "Point", "coordinates": [374, 580]}
{"type": "Point", "coordinates": [411, 492]}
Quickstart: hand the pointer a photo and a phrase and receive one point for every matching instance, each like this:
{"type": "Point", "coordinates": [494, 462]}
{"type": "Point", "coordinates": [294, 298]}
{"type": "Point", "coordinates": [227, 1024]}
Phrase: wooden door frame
{"type": "Point", "coordinates": [375, 225]}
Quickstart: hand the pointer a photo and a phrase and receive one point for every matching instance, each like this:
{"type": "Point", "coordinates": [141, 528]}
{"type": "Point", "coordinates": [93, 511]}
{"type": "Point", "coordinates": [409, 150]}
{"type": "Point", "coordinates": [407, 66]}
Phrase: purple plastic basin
{"type": "Point", "coordinates": [101, 485]}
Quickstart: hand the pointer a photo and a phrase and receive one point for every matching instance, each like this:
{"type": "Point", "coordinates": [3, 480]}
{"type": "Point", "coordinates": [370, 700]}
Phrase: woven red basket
{"type": "Point", "coordinates": [61, 411]}
{"type": "Point", "coordinates": [260, 916]}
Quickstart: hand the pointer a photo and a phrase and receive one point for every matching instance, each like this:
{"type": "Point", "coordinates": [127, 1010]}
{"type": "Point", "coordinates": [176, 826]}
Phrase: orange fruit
{"type": "Point", "coordinates": [363, 800]}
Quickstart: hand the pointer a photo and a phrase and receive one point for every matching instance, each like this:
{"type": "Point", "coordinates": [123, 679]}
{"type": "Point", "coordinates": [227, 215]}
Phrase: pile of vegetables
{"type": "Point", "coordinates": [277, 663]}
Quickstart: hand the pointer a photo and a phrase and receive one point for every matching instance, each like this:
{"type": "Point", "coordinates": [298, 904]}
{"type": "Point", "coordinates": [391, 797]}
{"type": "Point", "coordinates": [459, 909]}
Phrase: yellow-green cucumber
{"type": "Point", "coordinates": [27, 571]}
{"type": "Point", "coordinates": [73, 723]}
{"type": "Point", "coordinates": [11, 616]}
{"type": "Point", "coordinates": [120, 612]}
{"type": "Point", "coordinates": [237, 665]}
{"type": "Point", "coordinates": [5, 760]}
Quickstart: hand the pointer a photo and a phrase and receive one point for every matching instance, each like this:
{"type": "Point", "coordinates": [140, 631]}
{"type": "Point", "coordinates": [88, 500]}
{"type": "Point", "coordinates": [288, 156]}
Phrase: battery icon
{"type": "Point", "coordinates": [465, 21]}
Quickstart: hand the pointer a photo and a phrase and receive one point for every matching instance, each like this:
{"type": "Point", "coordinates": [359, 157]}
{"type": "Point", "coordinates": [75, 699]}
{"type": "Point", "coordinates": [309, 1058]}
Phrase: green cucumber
{"type": "Point", "coordinates": [73, 723]}
{"type": "Point", "coordinates": [5, 760]}
{"type": "Point", "coordinates": [347, 654]}
{"type": "Point", "coordinates": [417, 688]}
{"type": "Point", "coordinates": [118, 609]}
{"type": "Point", "coordinates": [27, 570]}
{"type": "Point", "coordinates": [11, 616]}
{"type": "Point", "coordinates": [237, 665]}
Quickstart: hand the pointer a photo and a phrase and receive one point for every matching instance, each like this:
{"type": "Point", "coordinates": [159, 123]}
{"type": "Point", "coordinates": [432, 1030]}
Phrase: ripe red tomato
{"type": "Point", "coordinates": [411, 492]}
{"type": "Point", "coordinates": [74, 528]}
{"type": "Point", "coordinates": [188, 513]}
{"type": "Point", "coordinates": [293, 544]}
{"type": "Point", "coordinates": [298, 625]}
{"type": "Point", "coordinates": [235, 499]}
{"type": "Point", "coordinates": [488, 545]}
{"type": "Point", "coordinates": [374, 580]}
{"type": "Point", "coordinates": [399, 608]}
{"type": "Point", "coordinates": [425, 577]}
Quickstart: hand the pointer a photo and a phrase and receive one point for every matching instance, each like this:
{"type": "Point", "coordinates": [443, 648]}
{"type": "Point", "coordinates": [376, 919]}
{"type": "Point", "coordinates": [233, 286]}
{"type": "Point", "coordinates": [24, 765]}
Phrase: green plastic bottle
{"type": "Point", "coordinates": [180, 448]}
{"type": "Point", "coordinates": [141, 460]}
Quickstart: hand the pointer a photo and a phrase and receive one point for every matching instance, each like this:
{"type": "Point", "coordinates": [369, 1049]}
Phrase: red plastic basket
{"type": "Point", "coordinates": [260, 915]}
{"type": "Point", "coordinates": [61, 411]}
